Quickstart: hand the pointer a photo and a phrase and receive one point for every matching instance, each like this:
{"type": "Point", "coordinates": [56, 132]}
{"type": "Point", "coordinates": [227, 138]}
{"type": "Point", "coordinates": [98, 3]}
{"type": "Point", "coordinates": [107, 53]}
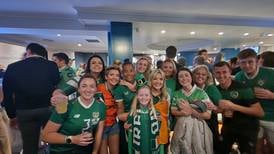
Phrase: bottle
{"type": "Point", "coordinates": [235, 149]}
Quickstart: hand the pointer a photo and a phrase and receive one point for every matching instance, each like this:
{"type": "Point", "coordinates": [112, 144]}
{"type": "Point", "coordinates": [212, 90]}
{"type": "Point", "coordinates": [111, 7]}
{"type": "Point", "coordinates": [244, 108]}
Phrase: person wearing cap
{"type": "Point", "coordinates": [189, 106]}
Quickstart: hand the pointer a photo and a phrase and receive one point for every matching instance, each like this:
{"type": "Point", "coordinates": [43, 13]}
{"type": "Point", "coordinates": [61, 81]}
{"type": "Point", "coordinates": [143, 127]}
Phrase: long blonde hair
{"type": "Point", "coordinates": [164, 94]}
{"type": "Point", "coordinates": [148, 70]}
{"type": "Point", "coordinates": [135, 105]}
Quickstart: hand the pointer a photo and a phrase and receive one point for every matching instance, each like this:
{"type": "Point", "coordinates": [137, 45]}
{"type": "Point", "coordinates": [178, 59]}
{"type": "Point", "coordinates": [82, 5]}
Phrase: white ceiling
{"type": "Point", "coordinates": [40, 21]}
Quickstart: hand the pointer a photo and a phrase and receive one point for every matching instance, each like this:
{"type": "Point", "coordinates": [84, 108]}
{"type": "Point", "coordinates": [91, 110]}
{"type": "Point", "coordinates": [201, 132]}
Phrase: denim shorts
{"type": "Point", "coordinates": [111, 130]}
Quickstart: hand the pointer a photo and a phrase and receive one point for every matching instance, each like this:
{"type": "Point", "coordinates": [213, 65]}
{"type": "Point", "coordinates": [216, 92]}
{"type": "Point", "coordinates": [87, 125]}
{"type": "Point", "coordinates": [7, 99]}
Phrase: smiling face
{"type": "Point", "coordinates": [128, 72]}
{"type": "Point", "coordinates": [157, 82]}
{"type": "Point", "coordinates": [185, 79]}
{"type": "Point", "coordinates": [96, 65]}
{"type": "Point", "coordinates": [87, 89]}
{"type": "Point", "coordinates": [222, 74]}
{"type": "Point", "coordinates": [142, 66]}
{"type": "Point", "coordinates": [168, 69]}
{"type": "Point", "coordinates": [249, 65]}
{"type": "Point", "coordinates": [200, 76]}
{"type": "Point", "coordinates": [112, 77]}
{"type": "Point", "coordinates": [144, 96]}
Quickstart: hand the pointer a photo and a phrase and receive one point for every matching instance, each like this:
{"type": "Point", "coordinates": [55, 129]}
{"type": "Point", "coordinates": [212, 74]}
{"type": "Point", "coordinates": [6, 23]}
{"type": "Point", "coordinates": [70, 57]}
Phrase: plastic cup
{"type": "Point", "coordinates": [61, 105]}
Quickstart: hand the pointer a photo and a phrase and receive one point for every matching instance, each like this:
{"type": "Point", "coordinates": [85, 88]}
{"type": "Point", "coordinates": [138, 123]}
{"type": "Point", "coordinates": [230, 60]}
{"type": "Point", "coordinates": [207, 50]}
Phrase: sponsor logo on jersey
{"type": "Point", "coordinates": [234, 94]}
{"type": "Point", "coordinates": [76, 116]}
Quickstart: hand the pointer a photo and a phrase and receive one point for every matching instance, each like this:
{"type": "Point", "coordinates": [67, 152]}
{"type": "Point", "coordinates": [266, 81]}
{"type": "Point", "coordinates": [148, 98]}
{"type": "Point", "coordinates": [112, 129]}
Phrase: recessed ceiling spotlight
{"type": "Point", "coordinates": [58, 35]}
{"type": "Point", "coordinates": [79, 44]}
{"type": "Point", "coordinates": [244, 45]}
{"type": "Point", "coordinates": [192, 33]}
{"type": "Point", "coordinates": [163, 31]}
{"type": "Point", "coordinates": [269, 34]}
{"type": "Point", "coordinates": [261, 42]}
{"type": "Point", "coordinates": [214, 49]}
{"type": "Point", "coordinates": [246, 34]}
{"type": "Point", "coordinates": [221, 33]}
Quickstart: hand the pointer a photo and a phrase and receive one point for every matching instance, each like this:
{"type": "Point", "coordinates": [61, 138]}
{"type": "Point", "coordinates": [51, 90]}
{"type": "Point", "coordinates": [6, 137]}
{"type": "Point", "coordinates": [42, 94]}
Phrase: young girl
{"type": "Point", "coordinates": [161, 103]}
{"type": "Point", "coordinates": [143, 124]}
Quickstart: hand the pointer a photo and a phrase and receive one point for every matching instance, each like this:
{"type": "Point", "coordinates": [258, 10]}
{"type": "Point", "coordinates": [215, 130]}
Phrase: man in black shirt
{"type": "Point", "coordinates": [27, 87]}
{"type": "Point", "coordinates": [240, 110]}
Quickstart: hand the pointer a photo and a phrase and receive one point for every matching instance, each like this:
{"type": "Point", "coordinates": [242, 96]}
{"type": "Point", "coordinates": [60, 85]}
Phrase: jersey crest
{"type": "Point", "coordinates": [234, 94]}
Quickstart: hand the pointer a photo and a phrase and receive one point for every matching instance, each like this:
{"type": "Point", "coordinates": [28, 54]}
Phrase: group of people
{"type": "Point", "coordinates": [133, 108]}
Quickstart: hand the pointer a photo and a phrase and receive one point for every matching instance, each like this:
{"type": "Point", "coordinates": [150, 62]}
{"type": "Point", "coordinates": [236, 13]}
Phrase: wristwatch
{"type": "Point", "coordinates": [68, 139]}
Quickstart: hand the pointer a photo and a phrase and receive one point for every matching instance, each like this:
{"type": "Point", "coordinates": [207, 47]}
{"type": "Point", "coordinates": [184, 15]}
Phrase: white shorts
{"type": "Point", "coordinates": [267, 129]}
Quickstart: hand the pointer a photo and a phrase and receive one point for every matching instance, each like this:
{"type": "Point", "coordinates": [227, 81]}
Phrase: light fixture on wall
{"type": "Point", "coordinates": [221, 33]}
{"type": "Point", "coordinates": [59, 35]}
{"type": "Point", "coordinates": [192, 33]}
{"type": "Point", "coordinates": [246, 34]}
{"type": "Point", "coordinates": [163, 31]}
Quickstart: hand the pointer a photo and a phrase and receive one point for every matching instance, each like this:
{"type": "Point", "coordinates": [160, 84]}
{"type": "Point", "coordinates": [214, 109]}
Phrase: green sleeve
{"type": "Point", "coordinates": [59, 118]}
{"type": "Point", "coordinates": [174, 101]}
{"type": "Point", "coordinates": [118, 93]}
{"type": "Point", "coordinates": [69, 81]}
{"type": "Point", "coordinates": [213, 93]}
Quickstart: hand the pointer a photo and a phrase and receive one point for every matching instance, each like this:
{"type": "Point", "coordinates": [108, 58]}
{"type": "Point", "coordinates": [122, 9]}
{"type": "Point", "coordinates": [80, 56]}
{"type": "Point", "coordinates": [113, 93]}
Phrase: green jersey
{"type": "Point", "coordinates": [213, 93]}
{"type": "Point", "coordinates": [68, 81]}
{"type": "Point", "coordinates": [77, 119]}
{"type": "Point", "coordinates": [196, 94]}
{"type": "Point", "coordinates": [264, 79]}
{"type": "Point", "coordinates": [123, 94]}
{"type": "Point", "coordinates": [243, 96]}
{"type": "Point", "coordinates": [171, 86]}
{"type": "Point", "coordinates": [145, 128]}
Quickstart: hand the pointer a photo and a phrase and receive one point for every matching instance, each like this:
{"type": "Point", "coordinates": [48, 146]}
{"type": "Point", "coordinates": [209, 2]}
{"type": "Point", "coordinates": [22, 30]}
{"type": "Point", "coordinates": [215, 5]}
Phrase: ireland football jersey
{"type": "Point", "coordinates": [243, 96]}
{"type": "Point", "coordinates": [77, 119]}
{"type": "Point", "coordinates": [123, 94]}
{"type": "Point", "coordinates": [263, 78]}
{"type": "Point", "coordinates": [196, 94]}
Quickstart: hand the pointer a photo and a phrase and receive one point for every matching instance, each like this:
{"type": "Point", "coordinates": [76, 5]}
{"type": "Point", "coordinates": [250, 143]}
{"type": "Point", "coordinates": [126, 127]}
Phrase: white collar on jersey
{"type": "Point", "coordinates": [86, 106]}
{"type": "Point", "coordinates": [191, 91]}
{"type": "Point", "coordinates": [252, 77]}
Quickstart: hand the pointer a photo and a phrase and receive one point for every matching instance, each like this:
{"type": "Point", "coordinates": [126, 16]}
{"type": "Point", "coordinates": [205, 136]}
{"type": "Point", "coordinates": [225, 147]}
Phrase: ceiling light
{"type": "Point", "coordinates": [58, 35]}
{"type": "Point", "coordinates": [79, 44]}
{"type": "Point", "coordinates": [270, 34]}
{"type": "Point", "coordinates": [214, 49]}
{"type": "Point", "coordinates": [221, 33]}
{"type": "Point", "coordinates": [244, 45]}
{"type": "Point", "coordinates": [192, 33]}
{"type": "Point", "coordinates": [261, 42]}
{"type": "Point", "coordinates": [163, 31]}
{"type": "Point", "coordinates": [246, 34]}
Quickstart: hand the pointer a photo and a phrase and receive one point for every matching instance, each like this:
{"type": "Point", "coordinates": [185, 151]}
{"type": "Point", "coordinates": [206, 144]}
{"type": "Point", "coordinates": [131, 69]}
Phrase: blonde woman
{"type": "Point", "coordinates": [143, 66]}
{"type": "Point", "coordinates": [160, 99]}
